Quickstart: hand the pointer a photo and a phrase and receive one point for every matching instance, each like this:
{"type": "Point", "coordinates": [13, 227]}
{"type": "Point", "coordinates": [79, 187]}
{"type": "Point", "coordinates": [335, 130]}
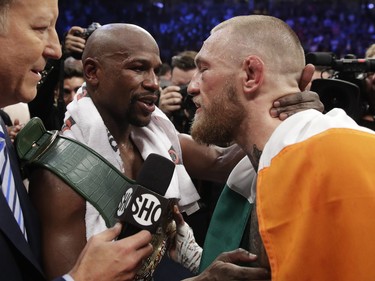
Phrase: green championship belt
{"type": "Point", "coordinates": [90, 175]}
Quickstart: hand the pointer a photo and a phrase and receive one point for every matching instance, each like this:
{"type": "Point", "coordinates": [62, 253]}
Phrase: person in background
{"type": "Point", "coordinates": [173, 99]}
{"type": "Point", "coordinates": [164, 75]}
{"type": "Point", "coordinates": [48, 105]}
{"type": "Point", "coordinates": [73, 80]}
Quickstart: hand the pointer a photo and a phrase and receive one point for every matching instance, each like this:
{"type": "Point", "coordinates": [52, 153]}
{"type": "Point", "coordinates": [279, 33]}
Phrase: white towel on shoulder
{"type": "Point", "coordinates": [83, 123]}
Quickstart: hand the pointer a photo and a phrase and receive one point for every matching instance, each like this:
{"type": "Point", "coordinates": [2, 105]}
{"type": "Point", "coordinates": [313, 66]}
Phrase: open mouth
{"type": "Point", "coordinates": [37, 72]}
{"type": "Point", "coordinates": [149, 99]}
{"type": "Point", "coordinates": [147, 103]}
{"type": "Point", "coordinates": [197, 104]}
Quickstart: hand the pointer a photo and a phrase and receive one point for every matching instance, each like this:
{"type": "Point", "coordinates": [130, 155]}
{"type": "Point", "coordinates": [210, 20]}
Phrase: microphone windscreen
{"type": "Point", "coordinates": [143, 206]}
{"type": "Point", "coordinates": [156, 173]}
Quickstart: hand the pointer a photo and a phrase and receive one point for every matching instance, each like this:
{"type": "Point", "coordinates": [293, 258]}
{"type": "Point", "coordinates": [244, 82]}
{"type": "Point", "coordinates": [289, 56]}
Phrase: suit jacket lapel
{"type": "Point", "coordinates": [31, 248]}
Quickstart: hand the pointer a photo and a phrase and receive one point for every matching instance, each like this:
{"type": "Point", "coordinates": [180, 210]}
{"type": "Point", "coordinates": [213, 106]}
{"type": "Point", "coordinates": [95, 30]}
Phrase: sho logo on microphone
{"type": "Point", "coordinates": [124, 202]}
{"type": "Point", "coordinates": [146, 209]}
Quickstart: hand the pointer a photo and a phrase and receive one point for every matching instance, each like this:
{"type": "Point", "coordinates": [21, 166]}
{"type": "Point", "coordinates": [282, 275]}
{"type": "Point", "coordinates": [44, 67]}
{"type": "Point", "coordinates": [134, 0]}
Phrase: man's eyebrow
{"type": "Point", "coordinates": [127, 58]}
{"type": "Point", "coordinates": [138, 60]}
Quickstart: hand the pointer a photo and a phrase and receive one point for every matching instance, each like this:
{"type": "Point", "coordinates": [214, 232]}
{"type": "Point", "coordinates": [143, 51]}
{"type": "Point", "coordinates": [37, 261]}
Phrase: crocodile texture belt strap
{"type": "Point", "coordinates": [79, 166]}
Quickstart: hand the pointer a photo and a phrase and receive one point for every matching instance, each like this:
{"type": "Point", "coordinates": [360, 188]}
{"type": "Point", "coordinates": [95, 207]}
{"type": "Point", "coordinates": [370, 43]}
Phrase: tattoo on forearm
{"type": "Point", "coordinates": [255, 157]}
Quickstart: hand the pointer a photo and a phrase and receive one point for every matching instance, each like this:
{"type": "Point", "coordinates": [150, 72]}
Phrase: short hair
{"type": "Point", "coordinates": [73, 68]}
{"type": "Point", "coordinates": [163, 69]}
{"type": "Point", "coordinates": [265, 36]}
{"type": "Point", "coordinates": [184, 60]}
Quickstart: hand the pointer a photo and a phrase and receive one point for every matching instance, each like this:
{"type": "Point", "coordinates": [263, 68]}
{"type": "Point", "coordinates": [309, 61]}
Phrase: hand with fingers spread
{"type": "Point", "coordinates": [290, 104]}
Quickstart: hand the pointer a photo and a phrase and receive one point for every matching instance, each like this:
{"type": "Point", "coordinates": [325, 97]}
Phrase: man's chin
{"type": "Point", "coordinates": [141, 122]}
{"type": "Point", "coordinates": [27, 95]}
{"type": "Point", "coordinates": [209, 135]}
{"type": "Point", "coordinates": [201, 136]}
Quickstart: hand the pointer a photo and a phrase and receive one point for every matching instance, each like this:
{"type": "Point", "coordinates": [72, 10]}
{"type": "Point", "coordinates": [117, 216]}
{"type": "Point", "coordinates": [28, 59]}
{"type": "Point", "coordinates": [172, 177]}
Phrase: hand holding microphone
{"type": "Point", "coordinates": [144, 206]}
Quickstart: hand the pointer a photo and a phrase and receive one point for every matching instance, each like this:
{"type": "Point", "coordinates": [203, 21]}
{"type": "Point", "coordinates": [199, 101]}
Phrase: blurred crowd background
{"type": "Point", "coordinates": [342, 27]}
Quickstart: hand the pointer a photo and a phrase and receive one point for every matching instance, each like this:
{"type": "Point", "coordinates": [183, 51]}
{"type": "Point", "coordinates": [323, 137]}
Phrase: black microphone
{"type": "Point", "coordinates": [143, 206]}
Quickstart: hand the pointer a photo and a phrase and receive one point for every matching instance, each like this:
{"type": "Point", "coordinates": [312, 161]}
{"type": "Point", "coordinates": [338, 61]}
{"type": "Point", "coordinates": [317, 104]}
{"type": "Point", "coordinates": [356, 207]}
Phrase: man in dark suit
{"type": "Point", "coordinates": [27, 39]}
